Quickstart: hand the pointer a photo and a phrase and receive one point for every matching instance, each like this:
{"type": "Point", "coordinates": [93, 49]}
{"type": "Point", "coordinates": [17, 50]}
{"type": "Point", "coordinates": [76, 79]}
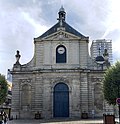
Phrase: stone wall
{"type": "Point", "coordinates": [83, 96]}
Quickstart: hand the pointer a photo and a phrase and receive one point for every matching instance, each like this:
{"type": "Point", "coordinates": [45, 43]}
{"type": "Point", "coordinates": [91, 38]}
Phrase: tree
{"type": "Point", "coordinates": [111, 83]}
{"type": "Point", "coordinates": [3, 89]}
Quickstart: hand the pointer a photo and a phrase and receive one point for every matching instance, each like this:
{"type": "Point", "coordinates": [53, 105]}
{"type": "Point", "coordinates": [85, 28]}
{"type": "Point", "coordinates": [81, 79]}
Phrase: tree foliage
{"type": "Point", "coordinates": [111, 84]}
{"type": "Point", "coordinates": [3, 89]}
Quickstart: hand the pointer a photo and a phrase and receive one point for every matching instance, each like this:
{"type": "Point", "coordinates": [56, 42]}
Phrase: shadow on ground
{"type": "Point", "coordinates": [58, 121]}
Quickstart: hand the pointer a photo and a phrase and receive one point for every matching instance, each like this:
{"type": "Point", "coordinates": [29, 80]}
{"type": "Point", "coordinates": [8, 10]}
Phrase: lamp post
{"type": "Point", "coordinates": [119, 113]}
{"type": "Point", "coordinates": [118, 99]}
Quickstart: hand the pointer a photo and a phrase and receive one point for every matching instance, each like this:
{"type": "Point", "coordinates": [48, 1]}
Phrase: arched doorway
{"type": "Point", "coordinates": [61, 100]}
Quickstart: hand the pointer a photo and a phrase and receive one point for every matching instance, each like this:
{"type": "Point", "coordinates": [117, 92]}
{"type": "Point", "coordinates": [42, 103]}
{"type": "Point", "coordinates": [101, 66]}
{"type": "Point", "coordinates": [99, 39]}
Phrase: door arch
{"type": "Point", "coordinates": [61, 100]}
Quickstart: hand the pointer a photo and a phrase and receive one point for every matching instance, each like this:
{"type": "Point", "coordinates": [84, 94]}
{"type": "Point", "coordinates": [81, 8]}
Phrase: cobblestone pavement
{"type": "Point", "coordinates": [57, 121]}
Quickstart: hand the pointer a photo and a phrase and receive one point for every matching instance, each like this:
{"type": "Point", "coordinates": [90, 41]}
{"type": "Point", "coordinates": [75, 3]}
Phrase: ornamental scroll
{"type": "Point", "coordinates": [25, 81]}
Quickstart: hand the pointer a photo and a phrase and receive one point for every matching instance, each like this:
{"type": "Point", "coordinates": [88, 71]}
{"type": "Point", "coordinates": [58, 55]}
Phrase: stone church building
{"type": "Point", "coordinates": [61, 80]}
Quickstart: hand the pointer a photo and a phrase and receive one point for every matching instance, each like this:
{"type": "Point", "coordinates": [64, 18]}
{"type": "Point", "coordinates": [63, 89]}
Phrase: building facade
{"type": "Point", "coordinates": [98, 47]}
{"type": "Point", "coordinates": [60, 80]}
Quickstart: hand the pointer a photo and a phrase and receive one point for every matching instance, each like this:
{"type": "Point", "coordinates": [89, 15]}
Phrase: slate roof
{"type": "Point", "coordinates": [67, 27]}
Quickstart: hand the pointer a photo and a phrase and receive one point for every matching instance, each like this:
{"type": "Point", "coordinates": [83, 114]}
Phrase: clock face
{"type": "Point", "coordinates": [61, 50]}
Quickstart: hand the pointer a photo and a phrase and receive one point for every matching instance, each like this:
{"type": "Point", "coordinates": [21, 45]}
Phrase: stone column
{"type": "Point", "coordinates": [84, 92]}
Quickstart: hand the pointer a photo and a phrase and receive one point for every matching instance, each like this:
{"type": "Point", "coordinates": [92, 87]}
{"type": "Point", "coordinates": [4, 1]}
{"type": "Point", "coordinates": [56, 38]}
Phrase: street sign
{"type": "Point", "coordinates": [118, 101]}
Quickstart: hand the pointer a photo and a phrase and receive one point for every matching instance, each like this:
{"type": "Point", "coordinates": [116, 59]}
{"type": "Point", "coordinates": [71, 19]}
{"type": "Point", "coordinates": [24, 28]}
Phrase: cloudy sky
{"type": "Point", "coordinates": [23, 20]}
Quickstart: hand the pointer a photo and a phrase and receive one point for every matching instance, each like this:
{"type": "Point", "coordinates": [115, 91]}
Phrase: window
{"type": "Point", "coordinates": [61, 54]}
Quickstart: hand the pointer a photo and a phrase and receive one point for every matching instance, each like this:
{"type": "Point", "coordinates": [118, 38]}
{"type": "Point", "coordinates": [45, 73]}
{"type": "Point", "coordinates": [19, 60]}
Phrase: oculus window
{"type": "Point", "coordinates": [61, 54]}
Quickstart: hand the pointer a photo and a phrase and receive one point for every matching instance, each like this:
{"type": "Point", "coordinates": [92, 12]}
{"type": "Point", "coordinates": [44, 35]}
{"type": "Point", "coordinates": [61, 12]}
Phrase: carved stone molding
{"type": "Point", "coordinates": [25, 81]}
{"type": "Point", "coordinates": [96, 79]}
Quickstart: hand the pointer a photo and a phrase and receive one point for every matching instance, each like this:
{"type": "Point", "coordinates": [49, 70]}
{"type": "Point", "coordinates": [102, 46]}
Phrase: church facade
{"type": "Point", "coordinates": [61, 80]}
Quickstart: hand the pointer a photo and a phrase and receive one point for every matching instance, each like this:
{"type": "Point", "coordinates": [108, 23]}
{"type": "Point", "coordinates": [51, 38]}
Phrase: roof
{"type": "Point", "coordinates": [67, 27]}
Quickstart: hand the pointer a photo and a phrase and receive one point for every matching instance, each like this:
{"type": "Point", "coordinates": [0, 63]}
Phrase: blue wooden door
{"type": "Point", "coordinates": [61, 100]}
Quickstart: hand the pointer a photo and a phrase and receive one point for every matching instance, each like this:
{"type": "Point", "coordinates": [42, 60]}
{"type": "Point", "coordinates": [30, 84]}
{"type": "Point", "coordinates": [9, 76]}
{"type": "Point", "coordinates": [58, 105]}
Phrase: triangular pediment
{"type": "Point", "coordinates": [61, 34]}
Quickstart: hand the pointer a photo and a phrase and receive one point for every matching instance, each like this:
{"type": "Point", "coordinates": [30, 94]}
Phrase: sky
{"type": "Point", "coordinates": [23, 20]}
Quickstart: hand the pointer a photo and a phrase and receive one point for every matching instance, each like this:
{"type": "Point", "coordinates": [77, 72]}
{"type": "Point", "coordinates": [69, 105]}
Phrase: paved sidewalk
{"type": "Point", "coordinates": [57, 121]}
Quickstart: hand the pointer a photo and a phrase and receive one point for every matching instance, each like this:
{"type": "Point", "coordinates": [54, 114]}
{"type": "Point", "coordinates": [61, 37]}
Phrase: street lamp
{"type": "Point", "coordinates": [118, 99]}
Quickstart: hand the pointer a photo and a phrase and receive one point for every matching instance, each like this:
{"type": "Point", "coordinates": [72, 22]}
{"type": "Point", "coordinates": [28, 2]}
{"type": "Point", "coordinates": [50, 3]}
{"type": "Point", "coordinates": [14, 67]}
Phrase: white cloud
{"type": "Point", "coordinates": [113, 27]}
{"type": "Point", "coordinates": [18, 28]}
